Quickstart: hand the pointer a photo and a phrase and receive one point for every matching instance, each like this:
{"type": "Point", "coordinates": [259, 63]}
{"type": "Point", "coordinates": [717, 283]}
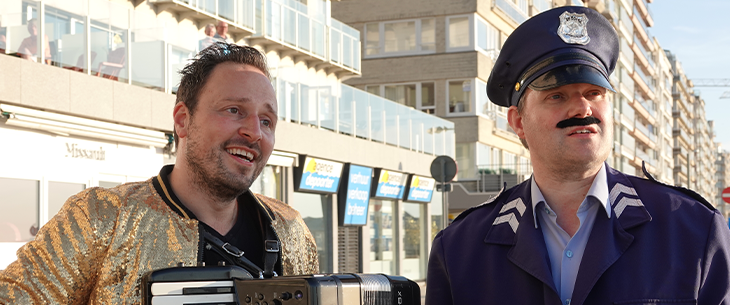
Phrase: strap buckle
{"type": "Point", "coordinates": [271, 246]}
{"type": "Point", "coordinates": [232, 250]}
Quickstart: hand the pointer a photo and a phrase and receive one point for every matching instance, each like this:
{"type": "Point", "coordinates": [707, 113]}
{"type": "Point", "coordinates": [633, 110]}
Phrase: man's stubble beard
{"type": "Point", "coordinates": [215, 178]}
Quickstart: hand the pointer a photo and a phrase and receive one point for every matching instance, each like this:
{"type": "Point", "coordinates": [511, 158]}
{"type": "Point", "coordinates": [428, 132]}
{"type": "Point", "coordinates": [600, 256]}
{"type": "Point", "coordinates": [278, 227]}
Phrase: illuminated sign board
{"type": "Point", "coordinates": [420, 189]}
{"type": "Point", "coordinates": [354, 195]}
{"type": "Point", "coordinates": [318, 175]}
{"type": "Point", "coordinates": [389, 184]}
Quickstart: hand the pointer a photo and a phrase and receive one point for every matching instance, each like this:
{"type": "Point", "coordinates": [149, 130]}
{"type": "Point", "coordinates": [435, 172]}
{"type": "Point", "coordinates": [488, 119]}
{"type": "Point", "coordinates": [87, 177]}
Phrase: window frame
{"type": "Point", "coordinates": [381, 39]}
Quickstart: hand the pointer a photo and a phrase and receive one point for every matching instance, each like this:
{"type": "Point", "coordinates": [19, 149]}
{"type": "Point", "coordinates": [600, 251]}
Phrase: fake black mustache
{"type": "Point", "coordinates": [578, 122]}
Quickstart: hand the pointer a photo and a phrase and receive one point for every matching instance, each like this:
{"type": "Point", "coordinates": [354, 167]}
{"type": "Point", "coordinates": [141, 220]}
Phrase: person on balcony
{"type": "Point", "coordinates": [221, 32]}
{"type": "Point", "coordinates": [28, 48]}
{"type": "Point", "coordinates": [578, 231]}
{"type": "Point", "coordinates": [208, 39]}
{"type": "Point", "coordinates": [198, 210]}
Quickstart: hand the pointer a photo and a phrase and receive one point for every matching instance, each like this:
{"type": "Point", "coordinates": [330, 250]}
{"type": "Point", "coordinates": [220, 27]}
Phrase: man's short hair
{"type": "Point", "coordinates": [196, 73]}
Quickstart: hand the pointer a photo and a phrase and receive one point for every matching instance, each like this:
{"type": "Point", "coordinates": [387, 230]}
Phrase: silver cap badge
{"type": "Point", "coordinates": [573, 28]}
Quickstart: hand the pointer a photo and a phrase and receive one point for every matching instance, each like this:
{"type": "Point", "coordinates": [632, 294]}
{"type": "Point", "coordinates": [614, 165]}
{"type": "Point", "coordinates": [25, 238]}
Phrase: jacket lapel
{"type": "Point", "coordinates": [609, 239]}
{"type": "Point", "coordinates": [515, 226]}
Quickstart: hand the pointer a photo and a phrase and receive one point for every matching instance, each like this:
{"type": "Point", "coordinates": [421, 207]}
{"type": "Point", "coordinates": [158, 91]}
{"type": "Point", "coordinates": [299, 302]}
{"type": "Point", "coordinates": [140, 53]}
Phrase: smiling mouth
{"type": "Point", "coordinates": [582, 131]}
{"type": "Point", "coordinates": [240, 153]}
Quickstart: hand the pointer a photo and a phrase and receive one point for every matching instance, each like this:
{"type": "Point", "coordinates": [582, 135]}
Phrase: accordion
{"type": "Point", "coordinates": [229, 285]}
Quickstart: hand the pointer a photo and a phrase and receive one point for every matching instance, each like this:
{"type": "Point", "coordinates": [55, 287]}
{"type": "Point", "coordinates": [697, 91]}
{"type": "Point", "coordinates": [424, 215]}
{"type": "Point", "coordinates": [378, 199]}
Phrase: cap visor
{"type": "Point", "coordinates": [570, 74]}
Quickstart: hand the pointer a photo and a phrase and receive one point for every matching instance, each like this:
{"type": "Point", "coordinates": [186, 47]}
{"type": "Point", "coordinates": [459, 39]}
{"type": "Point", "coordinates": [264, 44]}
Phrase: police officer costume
{"type": "Point", "coordinates": [659, 245]}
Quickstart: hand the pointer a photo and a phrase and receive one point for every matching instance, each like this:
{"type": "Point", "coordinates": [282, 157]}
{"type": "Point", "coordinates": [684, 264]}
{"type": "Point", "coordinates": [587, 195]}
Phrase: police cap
{"type": "Point", "coordinates": [564, 45]}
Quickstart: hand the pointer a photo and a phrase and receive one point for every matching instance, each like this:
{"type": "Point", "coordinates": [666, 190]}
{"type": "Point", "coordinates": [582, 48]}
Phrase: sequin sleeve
{"type": "Point", "coordinates": [58, 266]}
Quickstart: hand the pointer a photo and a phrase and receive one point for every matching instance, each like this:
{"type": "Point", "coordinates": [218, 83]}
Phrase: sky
{"type": "Point", "coordinates": [698, 33]}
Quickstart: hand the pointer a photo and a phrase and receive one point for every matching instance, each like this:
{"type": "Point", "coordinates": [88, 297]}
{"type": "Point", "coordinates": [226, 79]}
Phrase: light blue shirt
{"type": "Point", "coordinates": [565, 252]}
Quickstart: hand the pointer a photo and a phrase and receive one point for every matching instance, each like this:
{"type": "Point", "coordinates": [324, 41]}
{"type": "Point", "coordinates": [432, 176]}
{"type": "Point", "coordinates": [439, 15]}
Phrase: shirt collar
{"type": "Point", "coordinates": [598, 190]}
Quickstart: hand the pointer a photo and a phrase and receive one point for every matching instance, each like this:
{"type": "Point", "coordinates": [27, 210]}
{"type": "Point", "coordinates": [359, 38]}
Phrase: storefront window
{"type": "Point", "coordinates": [316, 210]}
{"type": "Point", "coordinates": [268, 183]}
{"type": "Point", "coordinates": [382, 233]}
{"type": "Point", "coordinates": [19, 219]}
{"type": "Point", "coordinates": [58, 193]}
{"type": "Point", "coordinates": [413, 243]}
{"type": "Point", "coordinates": [437, 214]}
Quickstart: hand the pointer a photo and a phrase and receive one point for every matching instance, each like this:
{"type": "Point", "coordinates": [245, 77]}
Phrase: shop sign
{"type": "Point", "coordinates": [74, 150]}
{"type": "Point", "coordinates": [357, 195]}
{"type": "Point", "coordinates": [390, 184]}
{"type": "Point", "coordinates": [420, 189]}
{"type": "Point", "coordinates": [320, 175]}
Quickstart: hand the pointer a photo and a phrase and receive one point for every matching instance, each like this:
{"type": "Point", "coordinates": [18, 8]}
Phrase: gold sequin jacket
{"type": "Point", "coordinates": [101, 243]}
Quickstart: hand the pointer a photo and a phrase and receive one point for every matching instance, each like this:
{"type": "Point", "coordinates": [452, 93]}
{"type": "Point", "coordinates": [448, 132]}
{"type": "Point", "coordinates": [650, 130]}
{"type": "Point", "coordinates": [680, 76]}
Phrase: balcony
{"type": "Point", "coordinates": [643, 134]}
{"type": "Point", "coordinates": [354, 112]}
{"type": "Point", "coordinates": [151, 57]}
{"type": "Point", "coordinates": [239, 14]}
{"type": "Point", "coordinates": [539, 6]}
{"type": "Point", "coordinates": [640, 108]}
{"type": "Point", "coordinates": [641, 81]}
{"type": "Point", "coordinates": [509, 11]}
{"type": "Point", "coordinates": [640, 30]}
{"type": "Point", "coordinates": [643, 9]}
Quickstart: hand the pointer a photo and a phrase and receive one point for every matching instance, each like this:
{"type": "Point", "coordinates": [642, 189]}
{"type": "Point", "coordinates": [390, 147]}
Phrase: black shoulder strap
{"type": "Point", "coordinates": [272, 248]}
{"type": "Point", "coordinates": [231, 253]}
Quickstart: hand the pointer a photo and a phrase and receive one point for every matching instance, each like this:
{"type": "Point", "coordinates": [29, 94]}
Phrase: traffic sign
{"type": "Point", "coordinates": [726, 195]}
{"type": "Point", "coordinates": [443, 169]}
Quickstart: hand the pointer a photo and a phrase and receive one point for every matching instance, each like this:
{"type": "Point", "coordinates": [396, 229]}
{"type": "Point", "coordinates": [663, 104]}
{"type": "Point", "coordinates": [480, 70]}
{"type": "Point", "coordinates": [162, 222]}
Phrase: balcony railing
{"type": "Point", "coordinates": [541, 6]}
{"type": "Point", "coordinates": [511, 10]}
{"type": "Point", "coordinates": [351, 111]}
{"type": "Point", "coordinates": [240, 14]}
{"type": "Point", "coordinates": [491, 177]}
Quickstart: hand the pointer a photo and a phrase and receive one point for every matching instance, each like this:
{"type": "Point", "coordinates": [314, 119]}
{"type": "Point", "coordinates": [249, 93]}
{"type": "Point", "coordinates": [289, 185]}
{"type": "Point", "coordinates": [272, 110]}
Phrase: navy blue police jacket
{"type": "Point", "coordinates": [662, 245]}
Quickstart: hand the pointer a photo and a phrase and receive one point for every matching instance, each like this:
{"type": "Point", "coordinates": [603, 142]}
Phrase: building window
{"type": "Point", "coordinates": [465, 157]}
{"type": "Point", "coordinates": [458, 35]}
{"type": "Point", "coordinates": [487, 39]}
{"type": "Point", "coordinates": [414, 226]}
{"type": "Point", "coordinates": [415, 95]}
{"type": "Point", "coordinates": [59, 192]}
{"type": "Point", "coordinates": [316, 212]}
{"type": "Point", "coordinates": [460, 96]}
{"type": "Point", "coordinates": [403, 37]}
{"type": "Point", "coordinates": [382, 236]}
{"type": "Point", "coordinates": [268, 183]}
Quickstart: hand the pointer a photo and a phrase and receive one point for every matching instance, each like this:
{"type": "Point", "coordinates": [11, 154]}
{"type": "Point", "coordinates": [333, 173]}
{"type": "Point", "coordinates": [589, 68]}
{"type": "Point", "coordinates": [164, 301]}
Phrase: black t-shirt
{"type": "Point", "coordinates": [245, 235]}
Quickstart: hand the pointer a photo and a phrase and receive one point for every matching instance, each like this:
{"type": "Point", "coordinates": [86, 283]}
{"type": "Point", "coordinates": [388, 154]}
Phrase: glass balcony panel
{"type": "Point", "coordinates": [362, 113]}
{"type": "Point", "coordinates": [541, 5]}
{"type": "Point", "coordinates": [66, 37]}
{"type": "Point", "coordinates": [319, 42]}
{"type": "Point", "coordinates": [226, 9]}
{"type": "Point", "coordinates": [391, 122]}
{"type": "Point", "coordinates": [347, 49]}
{"type": "Point", "coordinates": [273, 20]}
{"type": "Point", "coordinates": [292, 100]}
{"type": "Point", "coordinates": [246, 13]}
{"type": "Point", "coordinates": [326, 107]}
{"type": "Point", "coordinates": [346, 110]}
{"type": "Point", "coordinates": [308, 113]}
{"type": "Point", "coordinates": [289, 24]}
{"type": "Point", "coordinates": [511, 10]}
{"type": "Point", "coordinates": [148, 49]}
{"type": "Point", "coordinates": [177, 59]}
{"type": "Point", "coordinates": [335, 45]}
{"type": "Point", "coordinates": [405, 127]}
{"type": "Point", "coordinates": [303, 39]}
{"type": "Point", "coordinates": [108, 52]}
{"type": "Point", "coordinates": [377, 115]}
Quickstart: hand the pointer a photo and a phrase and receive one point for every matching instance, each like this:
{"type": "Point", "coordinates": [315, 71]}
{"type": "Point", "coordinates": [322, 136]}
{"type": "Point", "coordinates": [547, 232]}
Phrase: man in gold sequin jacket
{"type": "Point", "coordinates": [101, 243]}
